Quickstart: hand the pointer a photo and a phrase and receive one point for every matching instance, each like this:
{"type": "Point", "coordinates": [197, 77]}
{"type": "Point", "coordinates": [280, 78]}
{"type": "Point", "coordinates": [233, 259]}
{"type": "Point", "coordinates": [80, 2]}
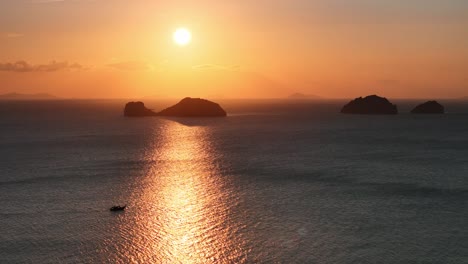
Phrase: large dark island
{"type": "Point", "coordinates": [370, 105]}
{"type": "Point", "coordinates": [194, 107]}
{"type": "Point", "coordinates": [430, 107]}
{"type": "Point", "coordinates": [188, 107]}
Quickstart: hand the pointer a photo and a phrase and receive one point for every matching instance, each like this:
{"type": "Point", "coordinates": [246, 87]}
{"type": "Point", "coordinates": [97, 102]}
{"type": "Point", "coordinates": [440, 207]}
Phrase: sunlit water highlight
{"type": "Point", "coordinates": [183, 208]}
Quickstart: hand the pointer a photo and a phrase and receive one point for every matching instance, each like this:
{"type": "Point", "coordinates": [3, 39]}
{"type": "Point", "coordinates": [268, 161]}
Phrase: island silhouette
{"type": "Point", "coordinates": [137, 109]}
{"type": "Point", "coordinates": [430, 107]}
{"type": "Point", "coordinates": [187, 107]}
{"type": "Point", "coordinates": [370, 105]}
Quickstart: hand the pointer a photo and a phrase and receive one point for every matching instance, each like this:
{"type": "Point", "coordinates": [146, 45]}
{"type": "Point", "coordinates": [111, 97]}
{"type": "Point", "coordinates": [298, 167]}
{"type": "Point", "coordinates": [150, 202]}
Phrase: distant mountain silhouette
{"type": "Point", "coordinates": [19, 96]}
{"type": "Point", "coordinates": [370, 105]}
{"type": "Point", "coordinates": [430, 107]}
{"type": "Point", "coordinates": [188, 107]}
{"type": "Point", "coordinates": [300, 96]}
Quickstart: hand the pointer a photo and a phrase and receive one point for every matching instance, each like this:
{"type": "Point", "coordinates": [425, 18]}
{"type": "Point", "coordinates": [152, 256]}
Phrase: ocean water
{"type": "Point", "coordinates": [275, 182]}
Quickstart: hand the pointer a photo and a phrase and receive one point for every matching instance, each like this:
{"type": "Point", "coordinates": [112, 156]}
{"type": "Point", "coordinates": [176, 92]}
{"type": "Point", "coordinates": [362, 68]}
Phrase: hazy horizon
{"type": "Point", "coordinates": [308, 97]}
{"type": "Point", "coordinates": [5, 96]}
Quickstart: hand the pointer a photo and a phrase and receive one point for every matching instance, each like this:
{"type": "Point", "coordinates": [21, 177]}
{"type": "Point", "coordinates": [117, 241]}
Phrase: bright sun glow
{"type": "Point", "coordinates": [182, 37]}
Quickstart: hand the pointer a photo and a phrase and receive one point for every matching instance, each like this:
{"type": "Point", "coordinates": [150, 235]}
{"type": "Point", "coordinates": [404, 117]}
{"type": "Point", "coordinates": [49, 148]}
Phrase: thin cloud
{"type": "Point", "coordinates": [45, 1]}
{"type": "Point", "coordinates": [216, 67]}
{"type": "Point", "coordinates": [11, 35]}
{"type": "Point", "coordinates": [132, 66]}
{"type": "Point", "coordinates": [57, 1]}
{"type": "Point", "coordinates": [23, 66]}
{"type": "Point", "coordinates": [388, 82]}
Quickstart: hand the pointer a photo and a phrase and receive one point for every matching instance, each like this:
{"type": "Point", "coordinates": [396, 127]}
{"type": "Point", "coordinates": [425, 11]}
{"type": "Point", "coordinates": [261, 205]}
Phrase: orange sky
{"type": "Point", "coordinates": [264, 48]}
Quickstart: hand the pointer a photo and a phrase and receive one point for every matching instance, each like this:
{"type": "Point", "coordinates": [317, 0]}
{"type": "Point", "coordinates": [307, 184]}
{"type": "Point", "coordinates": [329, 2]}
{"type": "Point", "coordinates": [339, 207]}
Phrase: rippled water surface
{"type": "Point", "coordinates": [275, 182]}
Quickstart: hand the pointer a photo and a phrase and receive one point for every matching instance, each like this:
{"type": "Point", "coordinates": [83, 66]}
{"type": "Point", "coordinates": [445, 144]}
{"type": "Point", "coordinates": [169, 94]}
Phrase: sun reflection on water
{"type": "Point", "coordinates": [183, 207]}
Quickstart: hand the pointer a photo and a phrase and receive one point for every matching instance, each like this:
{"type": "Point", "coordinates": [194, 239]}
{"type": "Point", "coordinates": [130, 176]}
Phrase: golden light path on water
{"type": "Point", "coordinates": [183, 208]}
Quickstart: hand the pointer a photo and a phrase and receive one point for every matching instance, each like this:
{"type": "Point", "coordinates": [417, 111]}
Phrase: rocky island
{"type": "Point", "coordinates": [137, 109]}
{"type": "Point", "coordinates": [430, 107]}
{"type": "Point", "coordinates": [194, 107]}
{"type": "Point", "coordinates": [370, 105]}
{"type": "Point", "coordinates": [188, 107]}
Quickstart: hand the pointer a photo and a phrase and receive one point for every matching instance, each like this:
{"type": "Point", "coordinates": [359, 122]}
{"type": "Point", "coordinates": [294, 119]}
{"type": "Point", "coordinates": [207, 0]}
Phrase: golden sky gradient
{"type": "Point", "coordinates": [239, 49]}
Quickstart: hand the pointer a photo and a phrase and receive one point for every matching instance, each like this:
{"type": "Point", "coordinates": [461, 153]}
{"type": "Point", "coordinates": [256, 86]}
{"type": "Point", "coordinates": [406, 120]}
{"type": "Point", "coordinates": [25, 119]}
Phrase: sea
{"type": "Point", "coordinates": [277, 181]}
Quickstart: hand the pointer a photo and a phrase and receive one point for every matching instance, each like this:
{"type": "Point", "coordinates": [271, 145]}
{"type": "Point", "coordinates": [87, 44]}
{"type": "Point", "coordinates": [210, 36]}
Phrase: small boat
{"type": "Point", "coordinates": [117, 208]}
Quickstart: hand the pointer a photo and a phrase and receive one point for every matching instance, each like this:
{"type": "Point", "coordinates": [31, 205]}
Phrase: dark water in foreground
{"type": "Point", "coordinates": [272, 183]}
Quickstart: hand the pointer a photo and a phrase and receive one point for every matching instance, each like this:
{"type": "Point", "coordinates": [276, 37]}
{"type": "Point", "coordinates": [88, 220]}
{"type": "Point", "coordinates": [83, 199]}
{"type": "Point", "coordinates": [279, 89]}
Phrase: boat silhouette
{"type": "Point", "coordinates": [117, 208]}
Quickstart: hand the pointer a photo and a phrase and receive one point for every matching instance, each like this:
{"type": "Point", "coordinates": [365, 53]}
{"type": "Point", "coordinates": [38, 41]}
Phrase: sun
{"type": "Point", "coordinates": [182, 37]}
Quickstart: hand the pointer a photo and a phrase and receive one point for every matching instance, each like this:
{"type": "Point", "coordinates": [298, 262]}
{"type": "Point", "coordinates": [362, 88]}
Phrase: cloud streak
{"type": "Point", "coordinates": [388, 82]}
{"type": "Point", "coordinates": [132, 66]}
{"type": "Point", "coordinates": [53, 66]}
{"type": "Point", "coordinates": [216, 67]}
{"type": "Point", "coordinates": [45, 1]}
{"type": "Point", "coordinates": [11, 35]}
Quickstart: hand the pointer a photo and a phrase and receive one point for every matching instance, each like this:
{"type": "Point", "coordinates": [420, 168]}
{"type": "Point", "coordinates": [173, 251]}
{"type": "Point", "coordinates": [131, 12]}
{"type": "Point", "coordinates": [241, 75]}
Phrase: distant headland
{"type": "Point", "coordinates": [24, 97]}
{"type": "Point", "coordinates": [187, 107]}
{"type": "Point", "coordinates": [301, 96]}
{"type": "Point", "coordinates": [370, 105]}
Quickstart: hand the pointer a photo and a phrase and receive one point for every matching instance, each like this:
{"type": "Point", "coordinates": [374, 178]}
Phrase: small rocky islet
{"type": "Point", "coordinates": [137, 109]}
{"type": "Point", "coordinates": [430, 107]}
